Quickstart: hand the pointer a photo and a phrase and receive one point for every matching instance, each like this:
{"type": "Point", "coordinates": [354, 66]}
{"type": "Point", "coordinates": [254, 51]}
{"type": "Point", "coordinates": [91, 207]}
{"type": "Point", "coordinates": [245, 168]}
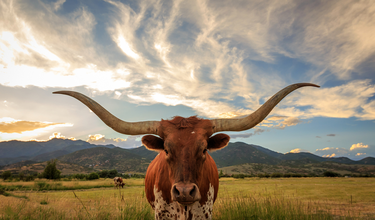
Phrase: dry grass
{"type": "Point", "coordinates": [253, 198]}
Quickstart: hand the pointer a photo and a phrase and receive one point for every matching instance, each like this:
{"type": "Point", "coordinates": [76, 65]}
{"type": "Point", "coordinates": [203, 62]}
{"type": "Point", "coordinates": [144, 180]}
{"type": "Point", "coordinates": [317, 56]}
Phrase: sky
{"type": "Point", "coordinates": [151, 60]}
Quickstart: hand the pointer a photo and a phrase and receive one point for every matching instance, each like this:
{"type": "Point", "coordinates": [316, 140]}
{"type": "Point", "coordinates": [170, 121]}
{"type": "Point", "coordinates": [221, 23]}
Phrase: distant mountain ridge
{"type": "Point", "coordinates": [137, 159]}
{"type": "Point", "coordinates": [16, 151]}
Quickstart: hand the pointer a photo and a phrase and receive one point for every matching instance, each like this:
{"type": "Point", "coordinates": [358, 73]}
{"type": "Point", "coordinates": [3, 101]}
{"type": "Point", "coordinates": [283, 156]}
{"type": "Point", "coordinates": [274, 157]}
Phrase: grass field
{"type": "Point", "coordinates": [250, 198]}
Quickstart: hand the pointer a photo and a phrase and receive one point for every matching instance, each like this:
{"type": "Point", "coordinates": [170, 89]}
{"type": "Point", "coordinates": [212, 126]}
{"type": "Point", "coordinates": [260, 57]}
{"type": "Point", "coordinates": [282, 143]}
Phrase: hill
{"type": "Point", "coordinates": [103, 158]}
{"type": "Point", "coordinates": [29, 167]}
{"type": "Point", "coordinates": [16, 151]}
{"type": "Point", "coordinates": [144, 153]}
{"type": "Point", "coordinates": [240, 153]}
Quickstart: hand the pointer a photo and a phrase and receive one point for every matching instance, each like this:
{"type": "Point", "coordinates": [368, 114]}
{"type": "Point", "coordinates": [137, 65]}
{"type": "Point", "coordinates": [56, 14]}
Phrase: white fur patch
{"type": "Point", "coordinates": [176, 211]}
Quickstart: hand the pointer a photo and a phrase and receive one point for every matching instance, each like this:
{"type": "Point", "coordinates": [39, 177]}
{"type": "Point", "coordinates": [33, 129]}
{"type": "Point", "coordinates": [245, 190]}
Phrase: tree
{"type": "Point", "coordinates": [112, 173]}
{"type": "Point", "coordinates": [92, 176]}
{"type": "Point", "coordinates": [6, 175]}
{"type": "Point", "coordinates": [21, 175]}
{"type": "Point", "coordinates": [104, 174]}
{"type": "Point", "coordinates": [51, 172]}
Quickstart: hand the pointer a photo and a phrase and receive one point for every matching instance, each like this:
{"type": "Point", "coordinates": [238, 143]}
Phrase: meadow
{"type": "Point", "coordinates": [249, 198]}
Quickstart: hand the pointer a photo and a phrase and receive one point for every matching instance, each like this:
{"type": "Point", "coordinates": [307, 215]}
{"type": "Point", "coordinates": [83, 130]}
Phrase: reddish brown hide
{"type": "Point", "coordinates": [183, 161]}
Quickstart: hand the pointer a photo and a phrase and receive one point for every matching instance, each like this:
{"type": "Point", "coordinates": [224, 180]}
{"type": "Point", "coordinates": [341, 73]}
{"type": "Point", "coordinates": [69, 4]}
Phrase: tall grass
{"type": "Point", "coordinates": [234, 202]}
{"type": "Point", "coordinates": [269, 207]}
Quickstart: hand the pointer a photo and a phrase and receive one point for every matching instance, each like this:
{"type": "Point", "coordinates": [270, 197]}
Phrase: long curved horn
{"type": "Point", "coordinates": [258, 116]}
{"type": "Point", "coordinates": [130, 128]}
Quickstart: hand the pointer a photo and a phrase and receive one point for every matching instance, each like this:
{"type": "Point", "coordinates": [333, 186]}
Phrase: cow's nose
{"type": "Point", "coordinates": [185, 194]}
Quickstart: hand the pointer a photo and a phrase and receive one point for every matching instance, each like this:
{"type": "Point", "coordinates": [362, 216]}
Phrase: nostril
{"type": "Point", "coordinates": [192, 192]}
{"type": "Point", "coordinates": [175, 191]}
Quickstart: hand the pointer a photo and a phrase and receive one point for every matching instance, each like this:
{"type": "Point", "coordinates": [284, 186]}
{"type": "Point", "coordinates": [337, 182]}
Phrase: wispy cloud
{"type": "Point", "coordinates": [18, 129]}
{"type": "Point", "coordinates": [10, 125]}
{"type": "Point", "coordinates": [204, 55]}
{"type": "Point", "coordinates": [130, 142]}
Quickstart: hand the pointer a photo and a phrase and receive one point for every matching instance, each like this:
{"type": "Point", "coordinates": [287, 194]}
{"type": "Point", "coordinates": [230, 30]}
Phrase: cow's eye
{"type": "Point", "coordinates": [204, 151]}
{"type": "Point", "coordinates": [166, 152]}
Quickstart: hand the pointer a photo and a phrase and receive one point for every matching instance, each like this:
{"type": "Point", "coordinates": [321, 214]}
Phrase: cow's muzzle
{"type": "Point", "coordinates": [185, 193]}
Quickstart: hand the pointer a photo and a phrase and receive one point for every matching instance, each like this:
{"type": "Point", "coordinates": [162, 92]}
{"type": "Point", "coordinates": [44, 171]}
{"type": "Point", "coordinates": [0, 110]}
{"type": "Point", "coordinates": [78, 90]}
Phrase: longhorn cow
{"type": "Point", "coordinates": [182, 181]}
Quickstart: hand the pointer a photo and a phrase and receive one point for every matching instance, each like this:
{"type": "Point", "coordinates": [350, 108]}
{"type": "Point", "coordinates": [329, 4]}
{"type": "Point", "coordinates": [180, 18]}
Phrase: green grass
{"type": "Point", "coordinates": [249, 198]}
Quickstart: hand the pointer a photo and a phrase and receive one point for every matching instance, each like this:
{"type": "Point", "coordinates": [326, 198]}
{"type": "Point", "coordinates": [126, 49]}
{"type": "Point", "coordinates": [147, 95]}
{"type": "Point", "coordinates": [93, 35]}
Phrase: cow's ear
{"type": "Point", "coordinates": [217, 142]}
{"type": "Point", "coordinates": [152, 142]}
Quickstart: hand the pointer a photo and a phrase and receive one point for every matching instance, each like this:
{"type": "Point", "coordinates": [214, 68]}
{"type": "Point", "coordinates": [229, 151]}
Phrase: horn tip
{"type": "Point", "coordinates": [61, 92]}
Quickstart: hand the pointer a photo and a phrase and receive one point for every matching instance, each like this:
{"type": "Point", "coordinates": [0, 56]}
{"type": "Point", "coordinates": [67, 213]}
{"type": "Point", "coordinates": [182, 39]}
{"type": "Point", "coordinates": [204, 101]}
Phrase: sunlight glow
{"type": "Point", "coordinates": [125, 47]}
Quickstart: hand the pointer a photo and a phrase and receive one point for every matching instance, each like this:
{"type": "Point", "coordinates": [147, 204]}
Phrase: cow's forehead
{"type": "Point", "coordinates": [199, 129]}
{"type": "Point", "coordinates": [186, 136]}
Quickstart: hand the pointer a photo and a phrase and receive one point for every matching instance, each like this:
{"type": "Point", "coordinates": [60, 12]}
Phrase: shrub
{"type": "Point", "coordinates": [239, 176]}
{"type": "Point", "coordinates": [287, 175]}
{"type": "Point", "coordinates": [41, 185]}
{"type": "Point", "coordinates": [6, 175]}
{"type": "Point", "coordinates": [29, 178]}
{"type": "Point", "coordinates": [296, 175]}
{"type": "Point", "coordinates": [51, 172]}
{"type": "Point", "coordinates": [93, 176]}
{"type": "Point", "coordinates": [140, 176]}
{"type": "Point", "coordinates": [21, 175]}
{"type": "Point", "coordinates": [79, 176]}
{"type": "Point", "coordinates": [330, 174]}
{"type": "Point", "coordinates": [276, 175]}
{"type": "Point", "coordinates": [43, 202]}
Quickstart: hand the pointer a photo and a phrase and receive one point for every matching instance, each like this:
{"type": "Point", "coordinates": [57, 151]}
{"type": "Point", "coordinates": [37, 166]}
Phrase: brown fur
{"type": "Point", "coordinates": [185, 140]}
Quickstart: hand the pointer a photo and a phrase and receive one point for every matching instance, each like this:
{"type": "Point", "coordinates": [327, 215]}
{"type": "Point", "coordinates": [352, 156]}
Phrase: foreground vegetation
{"type": "Point", "coordinates": [249, 198]}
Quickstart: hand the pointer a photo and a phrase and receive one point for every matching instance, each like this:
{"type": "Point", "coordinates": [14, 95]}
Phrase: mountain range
{"type": "Point", "coordinates": [101, 157]}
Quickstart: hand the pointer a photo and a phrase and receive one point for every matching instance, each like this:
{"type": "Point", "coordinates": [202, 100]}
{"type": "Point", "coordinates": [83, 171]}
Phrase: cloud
{"type": "Point", "coordinates": [332, 155]}
{"type": "Point", "coordinates": [299, 150]}
{"type": "Point", "coordinates": [355, 152]}
{"type": "Point", "coordinates": [358, 146]}
{"type": "Point", "coordinates": [59, 136]}
{"type": "Point", "coordinates": [247, 134]}
{"type": "Point", "coordinates": [343, 101]}
{"type": "Point", "coordinates": [281, 122]}
{"type": "Point", "coordinates": [130, 142]}
{"type": "Point", "coordinates": [10, 125]}
{"type": "Point", "coordinates": [195, 54]}
{"type": "Point", "coordinates": [331, 135]}
{"type": "Point", "coordinates": [318, 137]}
{"type": "Point", "coordinates": [12, 129]}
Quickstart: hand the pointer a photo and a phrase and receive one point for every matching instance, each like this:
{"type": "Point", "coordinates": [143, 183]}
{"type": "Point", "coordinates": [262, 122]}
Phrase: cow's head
{"type": "Point", "coordinates": [183, 142]}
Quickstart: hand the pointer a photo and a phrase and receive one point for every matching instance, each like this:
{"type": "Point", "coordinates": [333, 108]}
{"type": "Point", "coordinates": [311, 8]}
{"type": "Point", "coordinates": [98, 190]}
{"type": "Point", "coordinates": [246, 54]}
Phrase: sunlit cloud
{"type": "Point", "coordinates": [298, 150]}
{"type": "Point", "coordinates": [356, 151]}
{"type": "Point", "coordinates": [186, 53]}
{"type": "Point", "coordinates": [10, 125]}
{"type": "Point", "coordinates": [358, 146]}
{"type": "Point", "coordinates": [11, 129]}
{"type": "Point", "coordinates": [130, 142]}
{"type": "Point", "coordinates": [342, 101]}
{"type": "Point", "coordinates": [59, 136]}
{"type": "Point", "coordinates": [281, 122]}
{"type": "Point", "coordinates": [329, 156]}
{"type": "Point", "coordinates": [125, 47]}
